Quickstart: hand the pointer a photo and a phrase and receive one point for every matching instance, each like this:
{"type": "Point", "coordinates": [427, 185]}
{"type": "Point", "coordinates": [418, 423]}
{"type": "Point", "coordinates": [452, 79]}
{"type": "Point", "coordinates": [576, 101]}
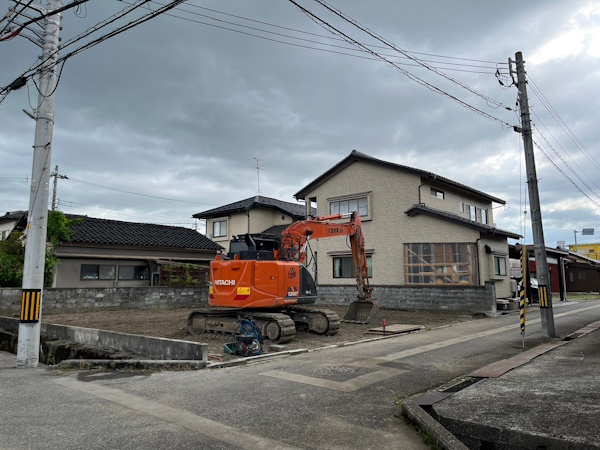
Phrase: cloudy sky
{"type": "Point", "coordinates": [178, 108]}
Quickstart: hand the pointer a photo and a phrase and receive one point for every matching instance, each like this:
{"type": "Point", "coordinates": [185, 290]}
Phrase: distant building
{"type": "Point", "coordinates": [113, 253]}
{"type": "Point", "coordinates": [256, 214]}
{"type": "Point", "coordinates": [590, 250]}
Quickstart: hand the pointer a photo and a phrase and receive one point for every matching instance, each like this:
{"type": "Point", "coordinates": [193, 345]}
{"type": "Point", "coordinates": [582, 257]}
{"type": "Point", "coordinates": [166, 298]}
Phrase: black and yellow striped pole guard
{"type": "Point", "coordinates": [543, 294]}
{"type": "Point", "coordinates": [30, 305]}
{"type": "Point", "coordinates": [523, 293]}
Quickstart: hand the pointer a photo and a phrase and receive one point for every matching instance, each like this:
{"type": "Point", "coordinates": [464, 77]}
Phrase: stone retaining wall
{"type": "Point", "coordinates": [472, 299]}
{"type": "Point", "coordinates": [77, 300]}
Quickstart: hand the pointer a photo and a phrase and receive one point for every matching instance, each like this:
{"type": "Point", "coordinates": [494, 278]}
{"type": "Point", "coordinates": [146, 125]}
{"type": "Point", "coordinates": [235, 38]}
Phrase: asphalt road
{"type": "Point", "coordinates": [330, 399]}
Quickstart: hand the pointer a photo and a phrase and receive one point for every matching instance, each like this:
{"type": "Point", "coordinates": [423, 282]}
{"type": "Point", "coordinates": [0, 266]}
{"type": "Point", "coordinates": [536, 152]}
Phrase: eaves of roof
{"type": "Point", "coordinates": [296, 211]}
{"type": "Point", "coordinates": [356, 156]}
{"type": "Point", "coordinates": [454, 218]}
{"type": "Point", "coordinates": [13, 215]}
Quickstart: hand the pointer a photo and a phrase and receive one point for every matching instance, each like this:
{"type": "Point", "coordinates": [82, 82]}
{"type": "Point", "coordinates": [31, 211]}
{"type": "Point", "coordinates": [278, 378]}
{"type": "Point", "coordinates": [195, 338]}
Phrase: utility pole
{"type": "Point", "coordinates": [56, 176]}
{"type": "Point", "coordinates": [37, 220]}
{"type": "Point", "coordinates": [541, 261]}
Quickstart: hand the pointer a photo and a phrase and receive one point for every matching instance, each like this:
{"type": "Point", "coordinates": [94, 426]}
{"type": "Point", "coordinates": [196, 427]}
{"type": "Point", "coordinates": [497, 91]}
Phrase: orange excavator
{"type": "Point", "coordinates": [264, 277]}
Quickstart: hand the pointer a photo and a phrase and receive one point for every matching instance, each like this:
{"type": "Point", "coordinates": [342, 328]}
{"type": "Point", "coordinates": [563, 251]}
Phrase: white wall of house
{"type": "Point", "coordinates": [256, 221]}
{"type": "Point", "coordinates": [6, 226]}
{"type": "Point", "coordinates": [69, 273]}
{"type": "Point", "coordinates": [387, 228]}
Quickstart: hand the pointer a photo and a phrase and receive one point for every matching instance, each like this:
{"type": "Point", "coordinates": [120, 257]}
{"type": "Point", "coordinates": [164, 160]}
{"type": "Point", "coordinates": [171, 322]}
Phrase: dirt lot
{"type": "Point", "coordinates": [172, 323]}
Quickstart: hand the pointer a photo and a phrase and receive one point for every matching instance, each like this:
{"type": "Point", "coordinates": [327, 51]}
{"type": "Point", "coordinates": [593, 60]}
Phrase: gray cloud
{"type": "Point", "coordinates": [177, 109]}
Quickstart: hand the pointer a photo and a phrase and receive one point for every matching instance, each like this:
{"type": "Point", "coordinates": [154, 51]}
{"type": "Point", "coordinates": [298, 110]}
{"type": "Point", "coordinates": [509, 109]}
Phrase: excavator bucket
{"type": "Point", "coordinates": [362, 311]}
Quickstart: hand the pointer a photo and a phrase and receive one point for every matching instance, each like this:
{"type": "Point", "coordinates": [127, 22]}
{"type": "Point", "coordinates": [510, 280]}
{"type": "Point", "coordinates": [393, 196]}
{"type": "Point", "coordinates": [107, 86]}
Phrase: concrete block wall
{"type": "Point", "coordinates": [76, 300]}
{"type": "Point", "coordinates": [472, 299]}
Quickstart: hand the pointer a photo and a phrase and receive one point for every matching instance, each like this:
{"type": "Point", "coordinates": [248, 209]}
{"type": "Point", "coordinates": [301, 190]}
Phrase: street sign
{"type": "Point", "coordinates": [587, 232]}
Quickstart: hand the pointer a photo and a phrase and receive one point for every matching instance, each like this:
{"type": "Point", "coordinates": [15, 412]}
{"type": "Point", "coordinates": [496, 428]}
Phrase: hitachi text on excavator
{"type": "Point", "coordinates": [264, 277]}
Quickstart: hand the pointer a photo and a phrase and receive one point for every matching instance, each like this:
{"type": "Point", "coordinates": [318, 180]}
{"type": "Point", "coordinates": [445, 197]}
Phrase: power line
{"type": "Point", "coordinates": [564, 174]}
{"type": "Point", "coordinates": [391, 45]}
{"type": "Point", "coordinates": [562, 124]}
{"type": "Point", "coordinates": [139, 194]}
{"type": "Point", "coordinates": [180, 9]}
{"type": "Point", "coordinates": [120, 213]}
{"type": "Point", "coordinates": [309, 47]}
{"type": "Point", "coordinates": [332, 37]}
{"type": "Point", "coordinates": [574, 162]}
{"type": "Point", "coordinates": [400, 69]}
{"type": "Point", "coordinates": [564, 162]}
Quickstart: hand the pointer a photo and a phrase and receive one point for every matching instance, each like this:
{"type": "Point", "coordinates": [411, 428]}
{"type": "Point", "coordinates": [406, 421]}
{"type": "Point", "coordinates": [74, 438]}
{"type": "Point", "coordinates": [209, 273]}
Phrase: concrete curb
{"type": "Point", "coordinates": [284, 354]}
{"type": "Point", "coordinates": [129, 364]}
{"type": "Point", "coordinates": [419, 417]}
{"type": "Point", "coordinates": [444, 438]}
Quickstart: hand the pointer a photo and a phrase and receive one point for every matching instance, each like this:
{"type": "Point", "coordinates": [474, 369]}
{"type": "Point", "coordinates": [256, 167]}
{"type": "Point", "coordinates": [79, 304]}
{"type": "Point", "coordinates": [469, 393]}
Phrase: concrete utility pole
{"type": "Point", "coordinates": [541, 261]}
{"type": "Point", "coordinates": [37, 220]}
{"type": "Point", "coordinates": [56, 176]}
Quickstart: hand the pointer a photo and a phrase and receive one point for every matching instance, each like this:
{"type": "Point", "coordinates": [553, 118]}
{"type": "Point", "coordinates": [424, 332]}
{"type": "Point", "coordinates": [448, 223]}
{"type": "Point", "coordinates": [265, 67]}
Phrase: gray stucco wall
{"type": "Point", "coordinates": [75, 300]}
{"type": "Point", "coordinates": [472, 299]}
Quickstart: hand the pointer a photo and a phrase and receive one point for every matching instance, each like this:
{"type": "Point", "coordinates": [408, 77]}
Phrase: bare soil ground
{"type": "Point", "coordinates": [172, 324]}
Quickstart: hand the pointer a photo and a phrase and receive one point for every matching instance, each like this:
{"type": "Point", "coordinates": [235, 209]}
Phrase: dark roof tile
{"type": "Point", "coordinates": [113, 232]}
{"type": "Point", "coordinates": [358, 156]}
{"type": "Point", "coordinates": [295, 210]}
{"type": "Point", "coordinates": [455, 218]}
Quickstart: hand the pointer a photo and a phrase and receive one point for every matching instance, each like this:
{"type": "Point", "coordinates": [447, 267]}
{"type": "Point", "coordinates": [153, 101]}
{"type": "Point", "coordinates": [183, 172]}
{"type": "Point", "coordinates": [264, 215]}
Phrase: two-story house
{"type": "Point", "coordinates": [252, 215]}
{"type": "Point", "coordinates": [420, 228]}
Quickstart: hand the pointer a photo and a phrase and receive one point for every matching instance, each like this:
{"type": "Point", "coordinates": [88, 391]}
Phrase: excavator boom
{"type": "Point", "coordinates": [294, 241]}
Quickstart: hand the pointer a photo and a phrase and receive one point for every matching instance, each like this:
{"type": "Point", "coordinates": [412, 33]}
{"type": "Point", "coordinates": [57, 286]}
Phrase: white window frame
{"type": "Point", "coordinates": [437, 193]}
{"type": "Point", "coordinates": [350, 197]}
{"type": "Point", "coordinates": [219, 221]}
{"type": "Point", "coordinates": [350, 259]}
{"type": "Point", "coordinates": [473, 213]}
{"type": "Point", "coordinates": [484, 216]}
{"type": "Point", "coordinates": [501, 259]}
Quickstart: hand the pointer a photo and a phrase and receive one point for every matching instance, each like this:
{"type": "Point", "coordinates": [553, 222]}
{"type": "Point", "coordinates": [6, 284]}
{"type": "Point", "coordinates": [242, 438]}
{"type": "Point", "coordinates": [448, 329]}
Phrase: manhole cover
{"type": "Point", "coordinates": [334, 370]}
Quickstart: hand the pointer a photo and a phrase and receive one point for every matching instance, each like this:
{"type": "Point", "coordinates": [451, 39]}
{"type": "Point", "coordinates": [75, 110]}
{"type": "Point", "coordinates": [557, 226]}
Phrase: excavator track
{"type": "Point", "coordinates": [320, 321]}
{"type": "Point", "coordinates": [274, 325]}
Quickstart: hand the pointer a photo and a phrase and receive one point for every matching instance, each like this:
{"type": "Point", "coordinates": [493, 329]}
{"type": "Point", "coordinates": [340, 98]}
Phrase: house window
{"type": "Point", "coordinates": [343, 267]}
{"type": "Point", "coordinates": [440, 264]}
{"type": "Point", "coordinates": [437, 193]}
{"type": "Point", "coordinates": [461, 207]}
{"type": "Point", "coordinates": [581, 276]}
{"type": "Point", "coordinates": [97, 272]}
{"type": "Point", "coordinates": [473, 213]}
{"type": "Point", "coordinates": [220, 228]}
{"type": "Point", "coordinates": [500, 266]}
{"type": "Point", "coordinates": [360, 205]}
{"type": "Point", "coordinates": [134, 273]}
{"type": "Point", "coordinates": [484, 216]}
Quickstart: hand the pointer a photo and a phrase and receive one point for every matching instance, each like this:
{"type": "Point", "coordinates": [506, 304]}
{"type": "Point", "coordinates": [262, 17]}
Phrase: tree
{"type": "Point", "coordinates": [12, 251]}
{"type": "Point", "coordinates": [12, 254]}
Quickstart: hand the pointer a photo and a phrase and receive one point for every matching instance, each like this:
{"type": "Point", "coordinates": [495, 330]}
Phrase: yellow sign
{"type": "Point", "coordinates": [243, 291]}
{"type": "Point", "coordinates": [210, 290]}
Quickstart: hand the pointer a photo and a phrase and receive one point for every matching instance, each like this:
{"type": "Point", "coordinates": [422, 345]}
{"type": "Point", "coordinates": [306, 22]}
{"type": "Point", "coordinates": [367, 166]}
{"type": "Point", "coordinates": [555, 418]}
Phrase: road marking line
{"type": "Point", "coordinates": [368, 379]}
{"type": "Point", "coordinates": [351, 385]}
{"type": "Point", "coordinates": [182, 418]}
